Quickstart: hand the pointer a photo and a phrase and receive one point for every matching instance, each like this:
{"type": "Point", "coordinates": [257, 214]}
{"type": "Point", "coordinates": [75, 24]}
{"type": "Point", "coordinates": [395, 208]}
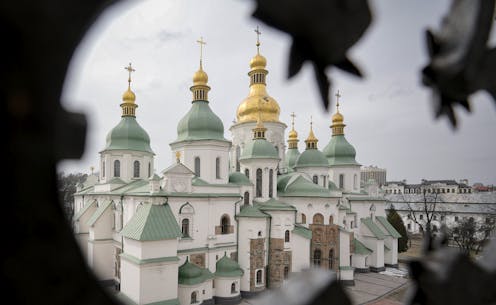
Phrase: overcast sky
{"type": "Point", "coordinates": [388, 114]}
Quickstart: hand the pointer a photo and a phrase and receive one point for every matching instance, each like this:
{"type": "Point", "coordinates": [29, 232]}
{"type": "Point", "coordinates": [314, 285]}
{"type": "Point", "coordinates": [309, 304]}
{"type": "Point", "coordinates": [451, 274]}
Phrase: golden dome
{"type": "Point", "coordinates": [337, 118]}
{"type": "Point", "coordinates": [129, 96]}
{"type": "Point", "coordinates": [293, 134]}
{"type": "Point", "coordinates": [200, 77]}
{"type": "Point", "coordinates": [258, 62]}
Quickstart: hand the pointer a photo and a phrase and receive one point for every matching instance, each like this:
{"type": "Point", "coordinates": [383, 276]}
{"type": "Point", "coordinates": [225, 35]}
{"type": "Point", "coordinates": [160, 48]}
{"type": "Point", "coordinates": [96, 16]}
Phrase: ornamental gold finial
{"type": "Point", "coordinates": [258, 39]}
{"type": "Point", "coordinates": [130, 70]}
{"type": "Point", "coordinates": [337, 101]}
{"type": "Point", "coordinates": [293, 115]}
{"type": "Point", "coordinates": [201, 42]}
{"type": "Point", "coordinates": [178, 156]}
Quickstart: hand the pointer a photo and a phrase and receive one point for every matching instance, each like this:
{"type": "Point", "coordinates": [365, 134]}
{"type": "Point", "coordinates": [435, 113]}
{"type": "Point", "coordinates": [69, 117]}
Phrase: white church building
{"type": "Point", "coordinates": [230, 218]}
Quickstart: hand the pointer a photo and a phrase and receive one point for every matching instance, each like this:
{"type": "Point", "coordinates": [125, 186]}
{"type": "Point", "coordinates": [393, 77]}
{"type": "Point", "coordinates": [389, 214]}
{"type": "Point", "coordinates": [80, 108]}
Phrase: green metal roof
{"type": "Point", "coordinates": [373, 228]}
{"type": "Point", "coordinates": [199, 182]}
{"type": "Point", "coordinates": [128, 135]}
{"type": "Point", "coordinates": [99, 212]}
{"type": "Point", "coordinates": [251, 211]}
{"type": "Point", "coordinates": [389, 228]}
{"type": "Point", "coordinates": [311, 158]}
{"type": "Point", "coordinates": [226, 267]}
{"type": "Point", "coordinates": [291, 155]}
{"type": "Point", "coordinates": [259, 149]}
{"type": "Point", "coordinates": [152, 222]}
{"type": "Point", "coordinates": [274, 205]}
{"type": "Point", "coordinates": [333, 186]}
{"type": "Point", "coordinates": [84, 209]}
{"type": "Point", "coordinates": [360, 248]}
{"type": "Point", "coordinates": [386, 248]}
{"type": "Point", "coordinates": [200, 123]}
{"type": "Point", "coordinates": [239, 179]}
{"type": "Point", "coordinates": [155, 177]}
{"type": "Point", "coordinates": [340, 152]}
{"type": "Point", "coordinates": [299, 187]}
{"type": "Point", "coordinates": [302, 231]}
{"type": "Point", "coordinates": [191, 274]}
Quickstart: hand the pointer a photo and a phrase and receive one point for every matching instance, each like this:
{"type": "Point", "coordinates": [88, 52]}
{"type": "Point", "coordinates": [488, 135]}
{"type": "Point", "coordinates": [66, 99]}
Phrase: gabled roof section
{"type": "Point", "coordinates": [360, 248]}
{"type": "Point", "coordinates": [376, 231]}
{"type": "Point", "coordinates": [294, 185]}
{"type": "Point", "coordinates": [302, 231]}
{"type": "Point", "coordinates": [274, 205]}
{"type": "Point", "coordinates": [197, 181]}
{"type": "Point", "coordinates": [99, 212]}
{"type": "Point", "coordinates": [389, 227]}
{"type": "Point", "coordinates": [133, 185]}
{"type": "Point", "coordinates": [251, 212]}
{"type": "Point", "coordinates": [178, 169]}
{"type": "Point", "coordinates": [84, 209]}
{"type": "Point", "coordinates": [152, 222]}
{"type": "Point", "coordinates": [239, 179]}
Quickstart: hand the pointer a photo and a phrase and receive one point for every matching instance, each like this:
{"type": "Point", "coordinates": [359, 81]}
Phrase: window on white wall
{"type": "Point", "coordinates": [197, 166]}
{"type": "Point", "coordinates": [117, 168]}
{"type": "Point", "coordinates": [341, 181]}
{"type": "Point", "coordinates": [103, 169]}
{"type": "Point", "coordinates": [259, 277]}
{"type": "Point", "coordinates": [185, 227]}
{"type": "Point", "coordinates": [136, 169]}
{"type": "Point", "coordinates": [286, 236]}
{"type": "Point", "coordinates": [217, 168]}
{"type": "Point", "coordinates": [355, 182]}
{"type": "Point", "coordinates": [271, 182]}
{"type": "Point", "coordinates": [259, 182]}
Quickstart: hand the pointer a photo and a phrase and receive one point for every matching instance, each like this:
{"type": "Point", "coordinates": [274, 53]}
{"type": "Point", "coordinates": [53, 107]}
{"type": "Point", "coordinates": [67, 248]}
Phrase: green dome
{"type": "Point", "coordinates": [128, 135]}
{"type": "Point", "coordinates": [191, 274]}
{"type": "Point", "coordinates": [200, 123]}
{"type": "Point", "coordinates": [291, 156]}
{"type": "Point", "coordinates": [340, 152]}
{"type": "Point", "coordinates": [239, 179]}
{"type": "Point", "coordinates": [227, 267]}
{"type": "Point", "coordinates": [259, 149]}
{"type": "Point", "coordinates": [312, 158]}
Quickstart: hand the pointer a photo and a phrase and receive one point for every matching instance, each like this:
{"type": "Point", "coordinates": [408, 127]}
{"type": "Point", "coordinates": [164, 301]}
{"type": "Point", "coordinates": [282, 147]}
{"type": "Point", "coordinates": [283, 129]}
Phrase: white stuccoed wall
{"type": "Point", "coordinates": [223, 287]}
{"type": "Point", "coordinates": [265, 165]}
{"type": "Point", "coordinates": [207, 151]}
{"type": "Point", "coordinates": [349, 172]}
{"type": "Point", "coordinates": [320, 172]}
{"type": "Point", "coordinates": [126, 159]}
{"type": "Point", "coordinates": [301, 253]}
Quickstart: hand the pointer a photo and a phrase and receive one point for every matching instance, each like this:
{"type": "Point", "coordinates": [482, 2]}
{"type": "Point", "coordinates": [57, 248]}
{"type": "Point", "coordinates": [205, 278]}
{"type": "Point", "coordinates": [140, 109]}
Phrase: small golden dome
{"type": "Point", "coordinates": [293, 134]}
{"type": "Point", "coordinates": [129, 96]}
{"type": "Point", "coordinates": [258, 62]}
{"type": "Point", "coordinates": [337, 118]}
{"type": "Point", "coordinates": [311, 137]}
{"type": "Point", "coordinates": [200, 77]}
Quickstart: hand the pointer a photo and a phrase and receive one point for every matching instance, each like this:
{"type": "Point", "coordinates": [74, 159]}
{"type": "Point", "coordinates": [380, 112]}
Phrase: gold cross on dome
{"type": "Point", "coordinates": [201, 42]}
{"type": "Point", "coordinates": [311, 122]}
{"type": "Point", "coordinates": [293, 115]}
{"type": "Point", "coordinates": [258, 38]}
{"type": "Point", "coordinates": [337, 99]}
{"type": "Point", "coordinates": [130, 70]}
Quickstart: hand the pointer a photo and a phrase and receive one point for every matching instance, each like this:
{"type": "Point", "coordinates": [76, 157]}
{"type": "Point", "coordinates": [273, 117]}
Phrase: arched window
{"type": "Point", "coordinates": [117, 168]}
{"type": "Point", "coordinates": [259, 233]}
{"type": "Point", "coordinates": [217, 168]}
{"type": "Point", "coordinates": [197, 166]}
{"type": "Point", "coordinates": [246, 198]}
{"type": "Point", "coordinates": [303, 218]}
{"type": "Point", "coordinates": [341, 181]}
{"type": "Point", "coordinates": [185, 227]}
{"type": "Point", "coordinates": [238, 154]}
{"type": "Point", "coordinates": [331, 220]}
{"type": "Point", "coordinates": [247, 173]}
{"type": "Point", "coordinates": [136, 169]}
{"type": "Point", "coordinates": [259, 277]}
{"type": "Point", "coordinates": [233, 288]}
{"type": "Point", "coordinates": [103, 169]}
{"type": "Point", "coordinates": [355, 182]}
{"type": "Point", "coordinates": [224, 224]}
{"type": "Point", "coordinates": [317, 255]}
{"type": "Point", "coordinates": [149, 169]}
{"type": "Point", "coordinates": [324, 184]}
{"type": "Point", "coordinates": [271, 182]}
{"type": "Point", "coordinates": [286, 272]}
{"type": "Point", "coordinates": [286, 236]}
{"type": "Point", "coordinates": [315, 179]}
{"type": "Point", "coordinates": [259, 182]}
{"type": "Point", "coordinates": [318, 219]}
{"type": "Point", "coordinates": [331, 259]}
{"type": "Point", "coordinates": [194, 297]}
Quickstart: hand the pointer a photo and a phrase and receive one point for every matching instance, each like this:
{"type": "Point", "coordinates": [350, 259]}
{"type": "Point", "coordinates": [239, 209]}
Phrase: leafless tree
{"type": "Point", "coordinates": [424, 211]}
{"type": "Point", "coordinates": [469, 235]}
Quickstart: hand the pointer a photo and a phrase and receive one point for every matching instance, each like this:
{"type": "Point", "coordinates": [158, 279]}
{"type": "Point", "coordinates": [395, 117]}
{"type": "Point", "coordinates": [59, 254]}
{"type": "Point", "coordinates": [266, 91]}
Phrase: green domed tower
{"type": "Point", "coordinates": [345, 170]}
{"type": "Point", "coordinates": [127, 154]}
{"type": "Point", "coordinates": [200, 135]}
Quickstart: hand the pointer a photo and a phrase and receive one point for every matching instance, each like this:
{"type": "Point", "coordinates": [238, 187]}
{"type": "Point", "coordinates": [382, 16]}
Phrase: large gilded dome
{"type": "Point", "coordinates": [258, 98]}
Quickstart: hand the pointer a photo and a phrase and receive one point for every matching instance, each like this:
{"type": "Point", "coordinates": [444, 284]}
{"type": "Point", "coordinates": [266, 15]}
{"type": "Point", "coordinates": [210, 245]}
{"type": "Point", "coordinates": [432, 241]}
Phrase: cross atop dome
{"type": "Point", "coordinates": [258, 39]}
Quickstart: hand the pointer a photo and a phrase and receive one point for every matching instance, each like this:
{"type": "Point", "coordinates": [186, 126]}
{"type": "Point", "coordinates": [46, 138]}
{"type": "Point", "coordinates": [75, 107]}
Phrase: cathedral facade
{"type": "Point", "coordinates": [229, 218]}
